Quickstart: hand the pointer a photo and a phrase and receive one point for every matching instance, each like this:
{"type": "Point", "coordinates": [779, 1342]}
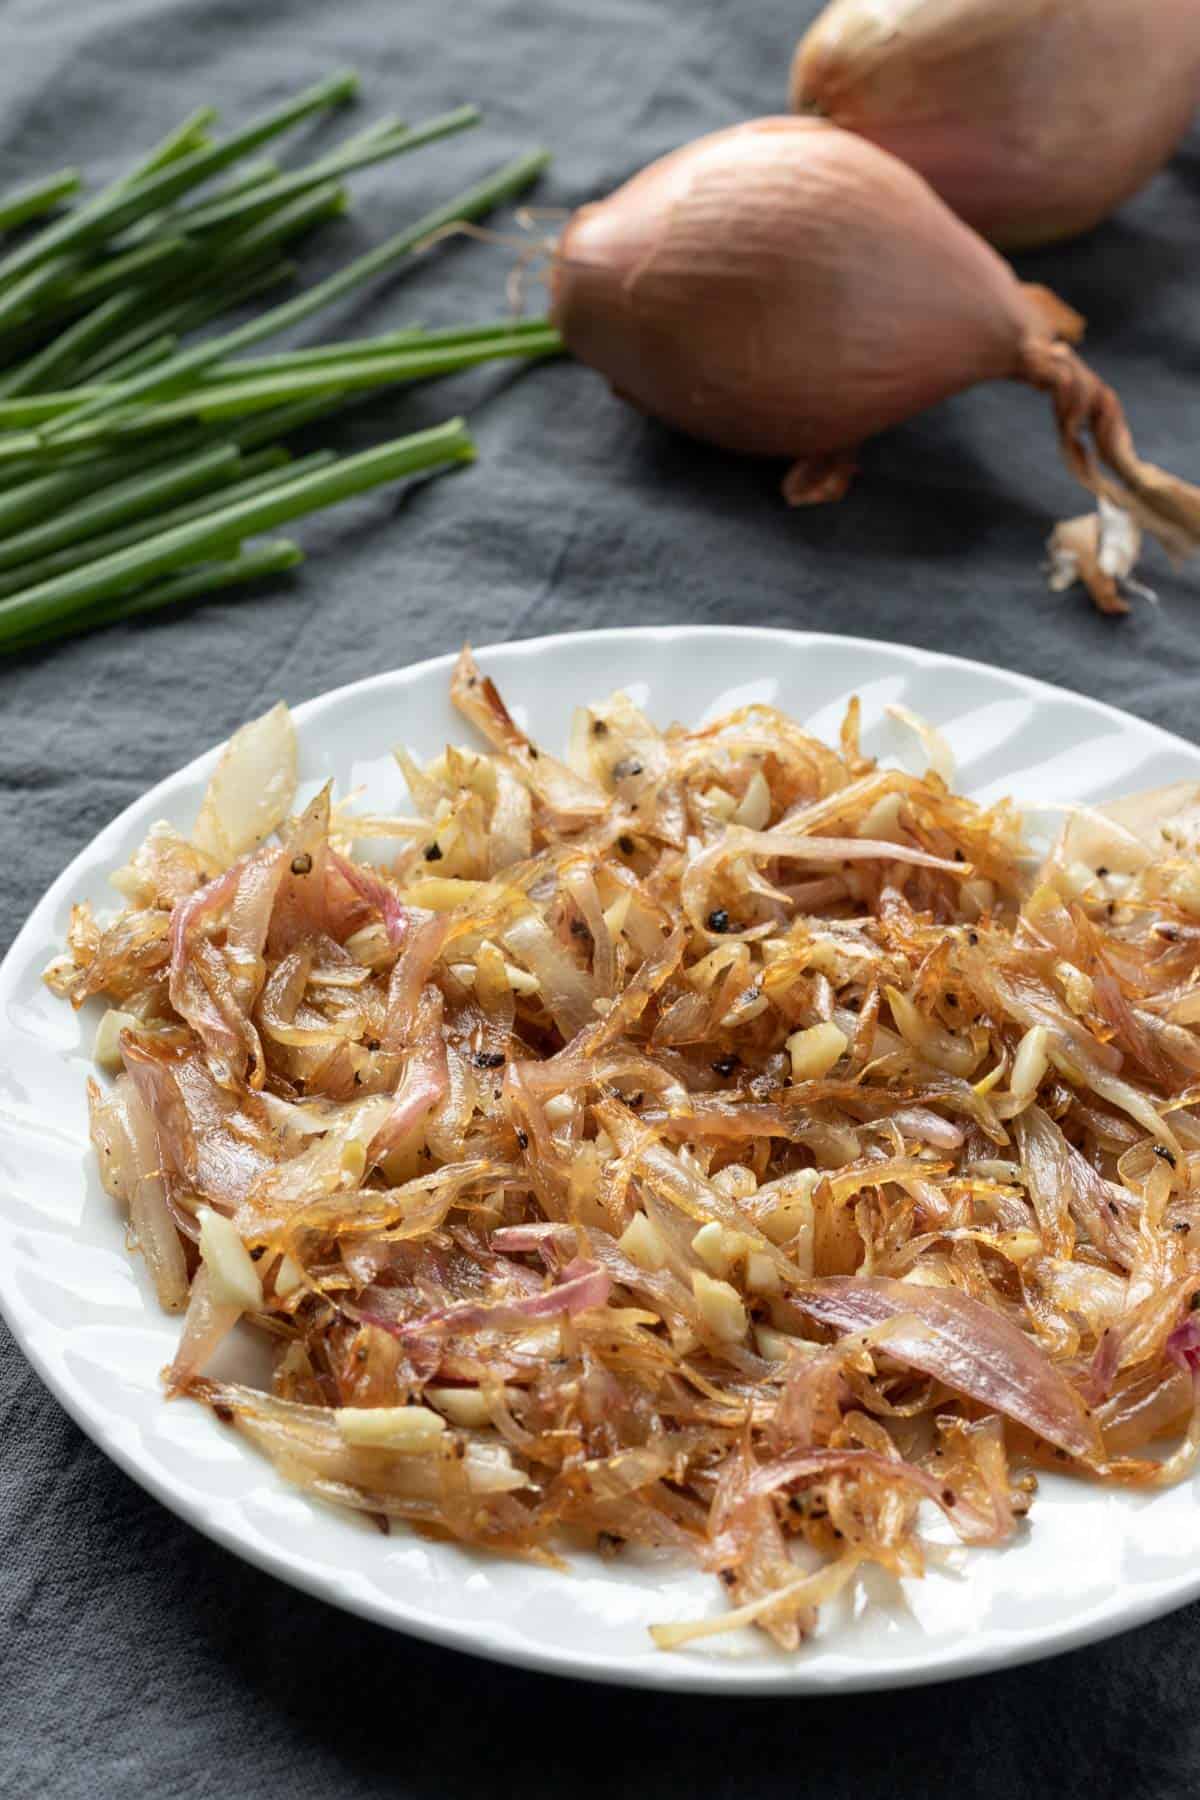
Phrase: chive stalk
{"type": "Point", "coordinates": [111, 211]}
{"type": "Point", "coordinates": [257, 474]}
{"type": "Point", "coordinates": [271, 557]}
{"type": "Point", "coordinates": [368, 149]}
{"type": "Point", "coordinates": [110, 576]}
{"type": "Point", "coordinates": [124, 500]}
{"type": "Point", "coordinates": [496, 188]}
{"type": "Point", "coordinates": [21, 204]}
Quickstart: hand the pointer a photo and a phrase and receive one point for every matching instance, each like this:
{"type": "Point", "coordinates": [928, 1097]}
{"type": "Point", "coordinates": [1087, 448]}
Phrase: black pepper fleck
{"type": "Point", "coordinates": [433, 853]}
{"type": "Point", "coordinates": [625, 844]}
{"type": "Point", "coordinates": [949, 1497]}
{"type": "Point", "coordinates": [372, 1043]}
{"type": "Point", "coordinates": [972, 937]}
{"type": "Point", "coordinates": [1167, 1156]}
{"type": "Point", "coordinates": [718, 919]}
{"type": "Point", "coordinates": [959, 857]}
{"type": "Point", "coordinates": [224, 1413]}
{"type": "Point", "coordinates": [599, 728]}
{"type": "Point", "coordinates": [489, 1059]}
{"type": "Point", "coordinates": [725, 1065]}
{"type": "Point", "coordinates": [302, 864]}
{"type": "Point", "coordinates": [523, 1139]}
{"type": "Point", "coordinates": [1102, 871]}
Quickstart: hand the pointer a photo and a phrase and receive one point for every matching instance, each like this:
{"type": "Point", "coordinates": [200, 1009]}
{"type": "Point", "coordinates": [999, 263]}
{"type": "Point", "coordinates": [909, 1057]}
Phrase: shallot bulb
{"type": "Point", "coordinates": [786, 289]}
{"type": "Point", "coordinates": [1032, 119]}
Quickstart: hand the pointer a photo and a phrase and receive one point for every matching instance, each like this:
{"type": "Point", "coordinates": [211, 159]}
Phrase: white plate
{"type": "Point", "coordinates": [1090, 1563]}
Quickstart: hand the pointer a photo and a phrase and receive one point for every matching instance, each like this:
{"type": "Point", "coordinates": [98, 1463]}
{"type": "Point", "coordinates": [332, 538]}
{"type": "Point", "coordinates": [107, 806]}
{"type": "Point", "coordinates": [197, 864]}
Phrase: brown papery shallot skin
{"type": "Point", "coordinates": [1033, 119]}
{"type": "Point", "coordinates": [785, 288]}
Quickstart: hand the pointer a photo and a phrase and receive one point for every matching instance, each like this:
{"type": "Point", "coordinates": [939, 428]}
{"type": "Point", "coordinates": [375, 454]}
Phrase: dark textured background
{"type": "Point", "coordinates": [136, 1658]}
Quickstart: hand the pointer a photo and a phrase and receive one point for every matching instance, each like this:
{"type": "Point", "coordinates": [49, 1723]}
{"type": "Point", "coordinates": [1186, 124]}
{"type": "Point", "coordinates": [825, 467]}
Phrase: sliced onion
{"type": "Point", "coordinates": [372, 888]}
{"type": "Point", "coordinates": [938, 753]}
{"type": "Point", "coordinates": [788, 844]}
{"type": "Point", "coordinates": [971, 1347]}
{"type": "Point", "coordinates": [567, 990]}
{"type": "Point", "coordinates": [251, 790]}
{"type": "Point", "coordinates": [510, 831]}
{"type": "Point", "coordinates": [584, 1285]}
{"type": "Point", "coordinates": [122, 1130]}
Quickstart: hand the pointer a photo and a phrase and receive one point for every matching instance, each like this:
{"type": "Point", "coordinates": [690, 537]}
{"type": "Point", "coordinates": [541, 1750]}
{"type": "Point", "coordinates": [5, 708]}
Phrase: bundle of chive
{"type": "Point", "coordinates": [134, 468]}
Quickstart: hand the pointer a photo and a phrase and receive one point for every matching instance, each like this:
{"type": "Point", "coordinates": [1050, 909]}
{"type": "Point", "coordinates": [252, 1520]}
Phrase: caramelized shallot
{"type": "Point", "coordinates": [735, 1186]}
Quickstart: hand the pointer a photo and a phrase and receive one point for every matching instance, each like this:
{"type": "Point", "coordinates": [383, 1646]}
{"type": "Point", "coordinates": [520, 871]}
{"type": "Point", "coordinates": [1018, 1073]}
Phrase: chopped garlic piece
{"type": "Point", "coordinates": [720, 1307]}
{"type": "Point", "coordinates": [957, 1055]}
{"type": "Point", "coordinates": [1030, 1063]}
{"type": "Point", "coordinates": [772, 1344]}
{"type": "Point", "coordinates": [1080, 882]}
{"type": "Point", "coordinates": [289, 1276]}
{"type": "Point", "coordinates": [390, 1427]}
{"type": "Point", "coordinates": [717, 801]}
{"type": "Point", "coordinates": [1021, 1245]}
{"type": "Point", "coordinates": [354, 1159]}
{"type": "Point", "coordinates": [791, 1208]}
{"type": "Point", "coordinates": [976, 897]}
{"type": "Point", "coordinates": [1185, 891]}
{"type": "Point", "coordinates": [883, 821]}
{"type": "Point", "coordinates": [642, 1242]}
{"type": "Point", "coordinates": [464, 1406]}
{"type": "Point", "coordinates": [519, 980]}
{"type": "Point", "coordinates": [443, 893]}
{"type": "Point", "coordinates": [1076, 986]}
{"type": "Point", "coordinates": [559, 1109]}
{"type": "Point", "coordinates": [232, 1275]}
{"type": "Point", "coordinates": [815, 1051]}
{"type": "Point", "coordinates": [762, 1277]}
{"type": "Point", "coordinates": [755, 808]}
{"type": "Point", "coordinates": [718, 1247]}
{"type": "Point", "coordinates": [106, 1050]}
{"type": "Point", "coordinates": [736, 1181]}
{"type": "Point", "coordinates": [616, 914]}
{"type": "Point", "coordinates": [490, 1470]}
